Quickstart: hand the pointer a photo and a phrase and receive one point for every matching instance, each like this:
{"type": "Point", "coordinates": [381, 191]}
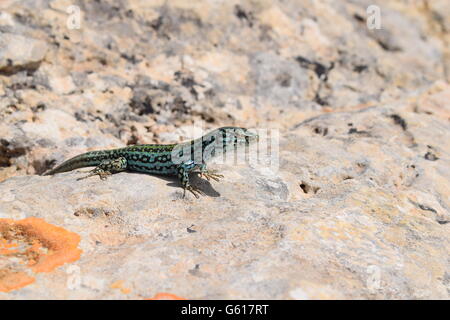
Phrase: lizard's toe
{"type": "Point", "coordinates": [195, 191]}
{"type": "Point", "coordinates": [211, 175]}
{"type": "Point", "coordinates": [214, 176]}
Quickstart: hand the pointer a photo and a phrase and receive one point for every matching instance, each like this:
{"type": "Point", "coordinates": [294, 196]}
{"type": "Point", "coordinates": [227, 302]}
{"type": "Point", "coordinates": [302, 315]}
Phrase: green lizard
{"type": "Point", "coordinates": [167, 159]}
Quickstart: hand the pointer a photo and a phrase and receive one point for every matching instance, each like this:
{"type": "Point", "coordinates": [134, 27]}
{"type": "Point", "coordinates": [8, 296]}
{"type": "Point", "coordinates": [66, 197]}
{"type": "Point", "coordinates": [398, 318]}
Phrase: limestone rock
{"type": "Point", "coordinates": [356, 209]}
{"type": "Point", "coordinates": [20, 53]}
{"type": "Point", "coordinates": [352, 202]}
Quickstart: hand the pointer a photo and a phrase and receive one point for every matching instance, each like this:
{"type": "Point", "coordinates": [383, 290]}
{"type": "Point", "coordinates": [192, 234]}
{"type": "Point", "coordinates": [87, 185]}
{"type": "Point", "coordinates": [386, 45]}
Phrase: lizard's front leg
{"type": "Point", "coordinates": [208, 174]}
{"type": "Point", "coordinates": [107, 168]}
{"type": "Point", "coordinates": [183, 175]}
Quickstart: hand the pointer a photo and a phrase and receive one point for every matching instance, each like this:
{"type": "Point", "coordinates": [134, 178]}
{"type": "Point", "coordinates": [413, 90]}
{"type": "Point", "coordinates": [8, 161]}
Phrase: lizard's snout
{"type": "Point", "coordinates": [249, 136]}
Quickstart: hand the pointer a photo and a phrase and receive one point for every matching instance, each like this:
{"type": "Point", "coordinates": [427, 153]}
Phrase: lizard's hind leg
{"type": "Point", "coordinates": [107, 168]}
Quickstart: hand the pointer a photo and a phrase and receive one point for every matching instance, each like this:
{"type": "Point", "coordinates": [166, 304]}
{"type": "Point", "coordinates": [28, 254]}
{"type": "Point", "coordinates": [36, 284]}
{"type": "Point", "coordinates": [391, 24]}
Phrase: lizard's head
{"type": "Point", "coordinates": [225, 139]}
{"type": "Point", "coordinates": [237, 135]}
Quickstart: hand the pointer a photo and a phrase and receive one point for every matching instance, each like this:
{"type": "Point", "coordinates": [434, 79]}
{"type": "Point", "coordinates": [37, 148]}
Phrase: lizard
{"type": "Point", "coordinates": [166, 159]}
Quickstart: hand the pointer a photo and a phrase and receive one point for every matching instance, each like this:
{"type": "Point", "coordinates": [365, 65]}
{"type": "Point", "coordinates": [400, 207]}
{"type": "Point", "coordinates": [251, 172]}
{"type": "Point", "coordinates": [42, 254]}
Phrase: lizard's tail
{"type": "Point", "coordinates": [88, 159]}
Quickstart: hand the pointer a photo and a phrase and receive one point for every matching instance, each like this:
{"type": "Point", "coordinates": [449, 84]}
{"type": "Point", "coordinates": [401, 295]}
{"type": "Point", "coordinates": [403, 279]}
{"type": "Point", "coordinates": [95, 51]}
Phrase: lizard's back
{"type": "Point", "coordinates": [147, 158]}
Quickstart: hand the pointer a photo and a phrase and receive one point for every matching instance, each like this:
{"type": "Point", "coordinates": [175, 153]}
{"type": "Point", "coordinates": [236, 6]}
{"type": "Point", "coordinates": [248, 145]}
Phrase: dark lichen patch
{"type": "Point", "coordinates": [91, 212]}
{"type": "Point", "coordinates": [156, 23]}
{"type": "Point", "coordinates": [426, 208]}
{"type": "Point", "coordinates": [10, 150]}
{"type": "Point", "coordinates": [11, 69]}
{"type": "Point", "coordinates": [398, 120]}
{"type": "Point", "coordinates": [439, 218]}
{"type": "Point", "coordinates": [39, 108]}
{"type": "Point", "coordinates": [84, 116]}
{"type": "Point", "coordinates": [356, 131]}
{"type": "Point", "coordinates": [360, 68]}
{"type": "Point", "coordinates": [196, 272]}
{"type": "Point", "coordinates": [319, 69]}
{"type": "Point", "coordinates": [41, 166]}
{"type": "Point", "coordinates": [79, 116]}
{"type": "Point", "coordinates": [387, 46]}
{"type": "Point", "coordinates": [359, 17]}
{"type": "Point", "coordinates": [284, 80]}
{"type": "Point", "coordinates": [319, 100]}
{"type": "Point", "coordinates": [187, 80]}
{"type": "Point", "coordinates": [431, 156]}
{"type": "Point", "coordinates": [361, 167]}
{"type": "Point", "coordinates": [307, 188]}
{"type": "Point", "coordinates": [131, 58]}
{"type": "Point", "coordinates": [142, 104]}
{"type": "Point", "coordinates": [321, 131]}
{"type": "Point", "coordinates": [413, 169]}
{"type": "Point", "coordinates": [244, 15]}
{"type": "Point", "coordinates": [190, 230]}
{"type": "Point", "coordinates": [321, 72]}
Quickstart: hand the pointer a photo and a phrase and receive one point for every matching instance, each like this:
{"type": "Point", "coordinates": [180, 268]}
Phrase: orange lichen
{"type": "Point", "coordinates": [119, 285]}
{"type": "Point", "coordinates": [35, 244]}
{"type": "Point", "coordinates": [166, 296]}
{"type": "Point", "coordinates": [6, 247]}
{"type": "Point", "coordinates": [11, 280]}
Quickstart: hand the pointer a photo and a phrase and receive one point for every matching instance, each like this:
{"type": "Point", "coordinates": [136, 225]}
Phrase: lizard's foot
{"type": "Point", "coordinates": [104, 175]}
{"type": "Point", "coordinates": [100, 172]}
{"type": "Point", "coordinates": [194, 190]}
{"type": "Point", "coordinates": [211, 175]}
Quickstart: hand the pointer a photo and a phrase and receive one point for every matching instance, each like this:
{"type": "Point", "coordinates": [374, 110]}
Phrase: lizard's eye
{"type": "Point", "coordinates": [239, 133]}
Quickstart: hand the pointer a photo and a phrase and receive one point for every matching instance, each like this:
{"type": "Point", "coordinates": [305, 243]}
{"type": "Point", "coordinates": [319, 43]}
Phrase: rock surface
{"type": "Point", "coordinates": [17, 53]}
{"type": "Point", "coordinates": [356, 206]}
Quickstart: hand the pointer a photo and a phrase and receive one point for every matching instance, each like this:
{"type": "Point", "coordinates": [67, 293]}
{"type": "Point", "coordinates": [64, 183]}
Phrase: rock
{"type": "Point", "coordinates": [6, 19]}
{"type": "Point", "coordinates": [353, 203]}
{"type": "Point", "coordinates": [57, 79]}
{"type": "Point", "coordinates": [354, 211]}
{"type": "Point", "coordinates": [20, 53]}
